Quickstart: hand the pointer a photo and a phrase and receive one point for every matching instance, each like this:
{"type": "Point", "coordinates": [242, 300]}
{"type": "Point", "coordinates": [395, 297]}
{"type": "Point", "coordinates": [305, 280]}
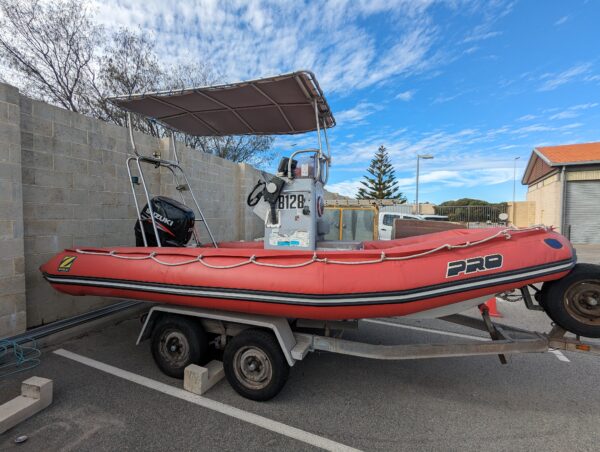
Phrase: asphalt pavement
{"type": "Point", "coordinates": [475, 403]}
{"type": "Point", "coordinates": [543, 401]}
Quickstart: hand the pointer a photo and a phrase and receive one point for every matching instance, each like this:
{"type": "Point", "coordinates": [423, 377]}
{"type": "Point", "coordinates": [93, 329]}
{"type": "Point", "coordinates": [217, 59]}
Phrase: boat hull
{"type": "Point", "coordinates": [404, 278]}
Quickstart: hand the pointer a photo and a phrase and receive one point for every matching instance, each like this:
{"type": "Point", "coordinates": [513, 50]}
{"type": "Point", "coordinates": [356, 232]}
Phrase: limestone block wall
{"type": "Point", "coordinates": [12, 261]}
{"type": "Point", "coordinates": [521, 213]}
{"type": "Point", "coordinates": [64, 183]}
{"type": "Point", "coordinates": [546, 196]}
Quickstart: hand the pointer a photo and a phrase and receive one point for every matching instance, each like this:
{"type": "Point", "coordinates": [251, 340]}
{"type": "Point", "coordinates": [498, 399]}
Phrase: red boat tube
{"type": "Point", "coordinates": [392, 278]}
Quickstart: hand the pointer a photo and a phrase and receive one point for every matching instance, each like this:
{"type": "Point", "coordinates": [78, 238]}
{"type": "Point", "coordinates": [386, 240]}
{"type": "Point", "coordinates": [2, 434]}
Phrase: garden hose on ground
{"type": "Point", "coordinates": [18, 356]}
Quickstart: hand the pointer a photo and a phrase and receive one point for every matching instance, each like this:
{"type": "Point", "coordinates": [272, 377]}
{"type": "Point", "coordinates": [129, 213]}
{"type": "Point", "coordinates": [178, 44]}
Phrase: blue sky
{"type": "Point", "coordinates": [475, 83]}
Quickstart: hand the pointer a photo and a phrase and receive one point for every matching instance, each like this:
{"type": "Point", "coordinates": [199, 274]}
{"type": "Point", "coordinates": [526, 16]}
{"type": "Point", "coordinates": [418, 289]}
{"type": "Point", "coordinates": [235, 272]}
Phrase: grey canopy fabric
{"type": "Point", "coordinates": [282, 104]}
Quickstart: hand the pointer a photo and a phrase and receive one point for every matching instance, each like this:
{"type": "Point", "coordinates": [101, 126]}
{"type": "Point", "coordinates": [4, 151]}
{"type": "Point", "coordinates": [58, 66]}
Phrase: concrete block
{"type": "Point", "coordinates": [26, 105]}
{"type": "Point", "coordinates": [198, 379]}
{"type": "Point", "coordinates": [11, 305]}
{"type": "Point", "coordinates": [12, 285]}
{"type": "Point", "coordinates": [38, 388]}
{"type": "Point", "coordinates": [6, 191]}
{"type": "Point", "coordinates": [9, 93]}
{"type": "Point", "coordinates": [70, 164]}
{"type": "Point", "coordinates": [52, 145]}
{"type": "Point", "coordinates": [19, 265]}
{"type": "Point", "coordinates": [47, 212]}
{"type": "Point", "coordinates": [42, 110]}
{"type": "Point", "coordinates": [33, 159]}
{"type": "Point", "coordinates": [41, 227]}
{"type": "Point", "coordinates": [67, 133]}
{"type": "Point", "coordinates": [28, 176]}
{"type": "Point", "coordinates": [36, 394]}
{"type": "Point", "coordinates": [12, 324]}
{"type": "Point", "coordinates": [86, 123]}
{"type": "Point", "coordinates": [14, 153]}
{"type": "Point", "coordinates": [101, 141]}
{"type": "Point", "coordinates": [85, 151]}
{"type": "Point", "coordinates": [7, 268]}
{"type": "Point", "coordinates": [118, 132]}
{"type": "Point", "coordinates": [10, 171]}
{"type": "Point", "coordinates": [48, 178]}
{"type": "Point", "coordinates": [62, 116]}
{"type": "Point", "coordinates": [4, 111]}
{"type": "Point", "coordinates": [36, 125]}
{"type": "Point", "coordinates": [12, 248]}
{"type": "Point", "coordinates": [26, 140]}
{"type": "Point", "coordinates": [94, 183]}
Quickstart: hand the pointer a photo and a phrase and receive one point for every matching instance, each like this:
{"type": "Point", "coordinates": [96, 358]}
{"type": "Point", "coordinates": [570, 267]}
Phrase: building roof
{"type": "Point", "coordinates": [546, 159]}
{"type": "Point", "coordinates": [284, 104]}
{"type": "Point", "coordinates": [570, 154]}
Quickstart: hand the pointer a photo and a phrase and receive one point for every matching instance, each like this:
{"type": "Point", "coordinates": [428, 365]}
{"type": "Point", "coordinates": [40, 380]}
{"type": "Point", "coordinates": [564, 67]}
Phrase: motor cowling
{"type": "Point", "coordinates": [174, 222]}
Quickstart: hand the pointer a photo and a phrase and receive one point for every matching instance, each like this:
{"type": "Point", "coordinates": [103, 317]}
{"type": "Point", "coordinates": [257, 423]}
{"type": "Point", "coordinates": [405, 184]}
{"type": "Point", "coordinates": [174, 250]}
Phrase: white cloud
{"type": "Point", "coordinates": [406, 95]}
{"type": "Point", "coordinates": [246, 39]}
{"type": "Point", "coordinates": [527, 118]}
{"type": "Point", "coordinates": [543, 128]}
{"type": "Point", "coordinates": [565, 115]}
{"type": "Point", "coordinates": [357, 114]}
{"type": "Point", "coordinates": [493, 12]}
{"type": "Point", "coordinates": [554, 80]}
{"type": "Point", "coordinates": [443, 98]}
{"type": "Point", "coordinates": [584, 106]}
{"type": "Point", "coordinates": [480, 35]}
{"type": "Point", "coordinates": [561, 21]}
{"type": "Point", "coordinates": [437, 180]}
{"type": "Point", "coordinates": [345, 188]}
{"type": "Point", "coordinates": [574, 111]}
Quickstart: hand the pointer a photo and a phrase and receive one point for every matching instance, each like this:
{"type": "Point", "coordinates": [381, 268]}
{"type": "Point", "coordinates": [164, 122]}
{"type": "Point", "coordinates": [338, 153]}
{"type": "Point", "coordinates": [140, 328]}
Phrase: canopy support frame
{"type": "Point", "coordinates": [175, 168]}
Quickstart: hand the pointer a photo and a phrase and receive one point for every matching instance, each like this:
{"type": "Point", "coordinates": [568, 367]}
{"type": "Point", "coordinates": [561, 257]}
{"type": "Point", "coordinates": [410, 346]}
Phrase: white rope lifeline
{"type": "Point", "coordinates": [253, 260]}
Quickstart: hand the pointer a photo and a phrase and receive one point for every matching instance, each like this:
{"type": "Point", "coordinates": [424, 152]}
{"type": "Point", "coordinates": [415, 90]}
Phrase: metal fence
{"type": "Point", "coordinates": [398, 208]}
{"type": "Point", "coordinates": [475, 216]}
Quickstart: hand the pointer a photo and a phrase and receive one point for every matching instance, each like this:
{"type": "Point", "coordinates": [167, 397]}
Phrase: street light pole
{"type": "Point", "coordinates": [417, 194]}
{"type": "Point", "coordinates": [514, 206]}
{"type": "Point", "coordinates": [419, 157]}
{"type": "Point", "coordinates": [515, 180]}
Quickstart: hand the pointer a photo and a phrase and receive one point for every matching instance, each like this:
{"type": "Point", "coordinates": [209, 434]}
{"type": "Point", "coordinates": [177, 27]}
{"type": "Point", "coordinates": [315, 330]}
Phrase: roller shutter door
{"type": "Point", "coordinates": [583, 211]}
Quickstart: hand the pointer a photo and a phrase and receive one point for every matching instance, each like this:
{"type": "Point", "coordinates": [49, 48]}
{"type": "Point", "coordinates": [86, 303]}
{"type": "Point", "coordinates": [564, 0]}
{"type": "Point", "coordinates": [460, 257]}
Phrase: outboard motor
{"type": "Point", "coordinates": [174, 222]}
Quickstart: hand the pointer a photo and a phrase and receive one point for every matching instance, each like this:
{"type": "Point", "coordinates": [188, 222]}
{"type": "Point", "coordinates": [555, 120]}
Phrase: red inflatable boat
{"type": "Point", "coordinates": [391, 278]}
{"type": "Point", "coordinates": [294, 272]}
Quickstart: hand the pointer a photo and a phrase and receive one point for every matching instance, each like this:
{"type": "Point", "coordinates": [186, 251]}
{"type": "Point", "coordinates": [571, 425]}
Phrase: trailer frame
{"type": "Point", "coordinates": [296, 343]}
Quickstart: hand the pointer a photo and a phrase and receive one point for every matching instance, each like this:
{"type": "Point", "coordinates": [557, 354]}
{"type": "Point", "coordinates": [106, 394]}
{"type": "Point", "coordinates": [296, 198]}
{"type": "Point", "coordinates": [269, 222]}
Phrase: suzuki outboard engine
{"type": "Point", "coordinates": [174, 222]}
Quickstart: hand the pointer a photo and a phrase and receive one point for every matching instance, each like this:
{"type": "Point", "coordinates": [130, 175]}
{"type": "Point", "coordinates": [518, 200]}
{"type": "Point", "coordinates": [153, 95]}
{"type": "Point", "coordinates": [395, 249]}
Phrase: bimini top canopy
{"type": "Point", "coordinates": [284, 104]}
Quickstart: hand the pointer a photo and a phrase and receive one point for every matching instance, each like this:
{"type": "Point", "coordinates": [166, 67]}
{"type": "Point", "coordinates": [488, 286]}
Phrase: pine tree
{"type": "Point", "coordinates": [382, 183]}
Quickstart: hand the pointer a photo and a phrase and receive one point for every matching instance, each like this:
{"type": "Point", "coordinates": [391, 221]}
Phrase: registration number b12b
{"type": "Point", "coordinates": [291, 201]}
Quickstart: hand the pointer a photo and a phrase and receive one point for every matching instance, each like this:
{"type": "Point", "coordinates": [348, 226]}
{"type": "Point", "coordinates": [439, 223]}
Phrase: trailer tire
{"type": "Point", "coordinates": [254, 364]}
{"type": "Point", "coordinates": [573, 302]}
{"type": "Point", "coordinates": [177, 342]}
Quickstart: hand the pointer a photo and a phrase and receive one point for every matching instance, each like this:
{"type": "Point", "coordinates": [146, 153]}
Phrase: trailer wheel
{"type": "Point", "coordinates": [573, 302]}
{"type": "Point", "coordinates": [255, 365]}
{"type": "Point", "coordinates": [177, 342]}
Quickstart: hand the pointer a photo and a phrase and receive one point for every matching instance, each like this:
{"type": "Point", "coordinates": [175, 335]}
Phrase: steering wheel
{"type": "Point", "coordinates": [256, 194]}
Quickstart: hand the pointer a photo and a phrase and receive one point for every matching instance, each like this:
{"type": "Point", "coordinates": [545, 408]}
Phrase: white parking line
{"type": "Point", "coordinates": [251, 418]}
{"type": "Point", "coordinates": [559, 355]}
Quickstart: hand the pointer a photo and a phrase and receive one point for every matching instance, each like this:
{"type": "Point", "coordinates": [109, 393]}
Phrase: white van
{"type": "Point", "coordinates": [386, 221]}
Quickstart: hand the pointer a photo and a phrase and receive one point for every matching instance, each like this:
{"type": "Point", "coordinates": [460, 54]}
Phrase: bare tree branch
{"type": "Point", "coordinates": [63, 57]}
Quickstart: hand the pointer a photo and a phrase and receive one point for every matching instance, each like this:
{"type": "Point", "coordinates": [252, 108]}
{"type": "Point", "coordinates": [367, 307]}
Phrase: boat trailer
{"type": "Point", "coordinates": [294, 339]}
